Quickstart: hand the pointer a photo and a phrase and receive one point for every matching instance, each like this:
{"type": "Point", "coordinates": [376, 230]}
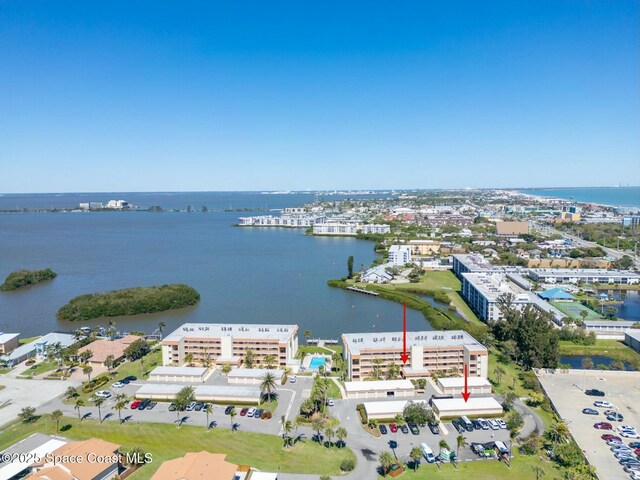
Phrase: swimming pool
{"type": "Point", "coordinates": [317, 362]}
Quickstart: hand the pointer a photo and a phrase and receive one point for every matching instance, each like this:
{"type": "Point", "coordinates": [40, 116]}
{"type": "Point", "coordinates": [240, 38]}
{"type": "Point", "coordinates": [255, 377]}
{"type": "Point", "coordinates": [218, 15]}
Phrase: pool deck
{"type": "Point", "coordinates": [306, 362]}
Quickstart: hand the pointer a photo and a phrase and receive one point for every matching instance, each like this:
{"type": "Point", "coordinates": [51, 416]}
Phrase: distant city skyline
{"type": "Point", "coordinates": [133, 97]}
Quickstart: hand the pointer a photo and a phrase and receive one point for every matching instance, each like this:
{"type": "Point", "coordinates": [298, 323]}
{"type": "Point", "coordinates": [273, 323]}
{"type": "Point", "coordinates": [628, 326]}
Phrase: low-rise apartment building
{"type": "Point", "coordinates": [429, 352]}
{"type": "Point", "coordinates": [219, 343]}
{"type": "Point", "coordinates": [348, 228]}
{"type": "Point", "coordinates": [470, 262]}
{"type": "Point", "coordinates": [587, 275]}
{"type": "Point", "coordinates": [424, 247]}
{"type": "Point", "coordinates": [9, 342]}
{"type": "Point", "coordinates": [481, 291]}
{"type": "Point", "coordinates": [399, 255]}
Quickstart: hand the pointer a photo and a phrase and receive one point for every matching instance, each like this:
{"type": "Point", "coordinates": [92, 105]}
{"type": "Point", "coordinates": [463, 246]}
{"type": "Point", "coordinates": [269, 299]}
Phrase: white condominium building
{"type": "Point", "coordinates": [399, 255]}
{"type": "Point", "coordinates": [227, 343]}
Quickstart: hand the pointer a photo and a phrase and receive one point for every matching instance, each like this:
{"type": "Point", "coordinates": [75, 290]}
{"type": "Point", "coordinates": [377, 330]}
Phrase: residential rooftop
{"type": "Point", "coordinates": [494, 285]}
{"type": "Point", "coordinates": [473, 262]}
{"type": "Point", "coordinates": [378, 385]}
{"type": "Point", "coordinates": [240, 330]}
{"type": "Point", "coordinates": [356, 342]}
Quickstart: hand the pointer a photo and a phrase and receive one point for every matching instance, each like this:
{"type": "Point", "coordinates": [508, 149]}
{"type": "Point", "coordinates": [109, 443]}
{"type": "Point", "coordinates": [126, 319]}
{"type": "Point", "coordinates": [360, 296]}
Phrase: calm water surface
{"type": "Point", "coordinates": [244, 275]}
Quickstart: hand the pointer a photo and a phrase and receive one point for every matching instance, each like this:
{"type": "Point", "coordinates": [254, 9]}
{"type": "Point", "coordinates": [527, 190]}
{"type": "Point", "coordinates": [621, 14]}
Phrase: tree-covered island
{"type": "Point", "coordinates": [129, 301]}
{"type": "Point", "coordinates": [24, 278]}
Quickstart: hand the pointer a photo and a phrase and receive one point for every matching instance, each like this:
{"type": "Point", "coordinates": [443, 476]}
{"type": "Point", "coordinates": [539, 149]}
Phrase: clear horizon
{"type": "Point", "coordinates": [224, 97]}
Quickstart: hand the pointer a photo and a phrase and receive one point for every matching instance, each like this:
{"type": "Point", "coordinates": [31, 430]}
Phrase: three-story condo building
{"type": "Point", "coordinates": [369, 355]}
{"type": "Point", "coordinates": [220, 343]}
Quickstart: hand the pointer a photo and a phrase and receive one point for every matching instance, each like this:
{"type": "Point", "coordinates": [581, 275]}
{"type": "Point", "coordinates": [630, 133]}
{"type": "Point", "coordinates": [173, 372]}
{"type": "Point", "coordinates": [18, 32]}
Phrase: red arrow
{"type": "Point", "coordinates": [404, 355]}
{"type": "Point", "coordinates": [466, 394]}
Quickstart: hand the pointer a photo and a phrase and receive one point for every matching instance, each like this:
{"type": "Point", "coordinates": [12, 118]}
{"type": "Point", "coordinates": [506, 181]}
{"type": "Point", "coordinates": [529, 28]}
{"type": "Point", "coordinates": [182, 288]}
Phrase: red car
{"type": "Point", "coordinates": [393, 427]}
{"type": "Point", "coordinates": [243, 412]}
{"type": "Point", "coordinates": [637, 451]}
{"type": "Point", "coordinates": [135, 404]}
{"type": "Point", "coordinates": [603, 426]}
{"type": "Point", "coordinates": [608, 437]}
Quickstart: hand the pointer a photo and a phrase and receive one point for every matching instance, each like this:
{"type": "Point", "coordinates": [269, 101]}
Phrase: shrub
{"type": "Point", "coordinates": [363, 413]}
{"type": "Point", "coordinates": [23, 278]}
{"type": "Point", "coordinates": [347, 465]}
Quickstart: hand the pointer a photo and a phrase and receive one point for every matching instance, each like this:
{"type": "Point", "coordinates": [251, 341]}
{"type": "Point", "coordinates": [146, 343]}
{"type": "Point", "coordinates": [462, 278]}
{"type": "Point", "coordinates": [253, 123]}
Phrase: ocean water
{"type": "Point", "coordinates": [244, 275]}
{"type": "Point", "coordinates": [614, 196]}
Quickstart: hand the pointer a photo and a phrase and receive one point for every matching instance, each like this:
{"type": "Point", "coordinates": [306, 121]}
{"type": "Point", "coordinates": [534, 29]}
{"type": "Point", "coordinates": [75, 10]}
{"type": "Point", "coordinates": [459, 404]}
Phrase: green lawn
{"type": "Point", "coordinates": [609, 348]}
{"type": "Point", "coordinates": [510, 380]}
{"type": "Point", "coordinates": [28, 340]}
{"type": "Point", "coordinates": [165, 441]}
{"type": "Point", "coordinates": [521, 468]}
{"type": "Point", "coordinates": [39, 368]}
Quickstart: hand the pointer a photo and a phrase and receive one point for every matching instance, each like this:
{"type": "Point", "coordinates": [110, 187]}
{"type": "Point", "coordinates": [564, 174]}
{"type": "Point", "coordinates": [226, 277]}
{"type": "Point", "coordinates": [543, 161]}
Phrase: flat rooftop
{"type": "Point", "coordinates": [356, 342]}
{"type": "Point", "coordinates": [493, 285]}
{"type": "Point", "coordinates": [584, 272]}
{"type": "Point", "coordinates": [37, 444]}
{"type": "Point", "coordinates": [452, 382]}
{"type": "Point", "coordinates": [474, 403]}
{"type": "Point", "coordinates": [217, 330]}
{"type": "Point", "coordinates": [254, 373]}
{"type": "Point", "coordinates": [378, 385]}
{"type": "Point", "coordinates": [184, 371]}
{"type": "Point", "coordinates": [5, 337]}
{"type": "Point", "coordinates": [474, 262]}
{"type": "Point", "coordinates": [388, 406]}
{"type": "Point", "coordinates": [231, 391]}
{"type": "Point", "coordinates": [634, 334]}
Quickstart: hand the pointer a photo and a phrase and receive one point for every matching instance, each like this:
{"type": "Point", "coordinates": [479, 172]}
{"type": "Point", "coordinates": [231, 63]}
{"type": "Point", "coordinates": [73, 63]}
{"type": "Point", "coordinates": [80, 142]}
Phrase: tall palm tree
{"type": "Point", "coordinates": [108, 362]}
{"type": "Point", "coordinates": [79, 403]}
{"type": "Point", "coordinates": [121, 403]}
{"type": "Point", "coordinates": [400, 421]}
{"type": "Point", "coordinates": [208, 409]}
{"type": "Point", "coordinates": [330, 433]}
{"type": "Point", "coordinates": [341, 434]}
{"type": "Point", "coordinates": [188, 358]}
{"type": "Point", "coordinates": [377, 367]}
{"type": "Point", "coordinates": [232, 415]}
{"type": "Point", "coordinates": [318, 425]}
{"type": "Point", "coordinates": [443, 445]}
{"type": "Point", "coordinates": [287, 428]}
{"type": "Point", "coordinates": [416, 456]}
{"type": "Point", "coordinates": [307, 334]}
{"type": "Point", "coordinates": [268, 385]}
{"type": "Point", "coordinates": [87, 371]}
{"type": "Point", "coordinates": [386, 460]}
{"type": "Point", "coordinates": [98, 401]}
{"type": "Point", "coordinates": [461, 442]}
{"type": "Point", "coordinates": [56, 415]}
{"type": "Point", "coordinates": [269, 360]}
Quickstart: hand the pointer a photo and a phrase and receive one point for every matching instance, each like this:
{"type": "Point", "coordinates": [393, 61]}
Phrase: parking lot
{"type": "Point", "coordinates": [622, 389]}
{"type": "Point", "coordinates": [290, 397]}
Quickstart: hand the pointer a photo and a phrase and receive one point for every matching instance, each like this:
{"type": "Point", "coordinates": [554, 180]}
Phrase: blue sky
{"type": "Point", "coordinates": [239, 95]}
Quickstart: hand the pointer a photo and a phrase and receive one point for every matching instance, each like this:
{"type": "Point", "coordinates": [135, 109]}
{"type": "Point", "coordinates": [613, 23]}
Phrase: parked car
{"type": "Point", "coordinates": [191, 406]}
{"type": "Point", "coordinates": [227, 410]}
{"type": "Point", "coordinates": [151, 405]}
{"type": "Point", "coordinates": [103, 393]}
{"type": "Point", "coordinates": [172, 407]}
{"type": "Point", "coordinates": [629, 434]}
{"type": "Point", "coordinates": [484, 424]}
{"type": "Point", "coordinates": [427, 453]}
{"type": "Point", "coordinates": [131, 378]}
{"type": "Point", "coordinates": [434, 428]}
{"type": "Point", "coordinates": [590, 411]}
{"type": "Point", "coordinates": [244, 411]}
{"type": "Point", "coordinates": [251, 411]}
{"type": "Point", "coordinates": [404, 429]}
{"type": "Point", "coordinates": [330, 402]}
{"type": "Point", "coordinates": [393, 427]}
{"type": "Point", "coordinates": [634, 444]}
{"type": "Point", "coordinates": [199, 406]}
{"type": "Point", "coordinates": [458, 426]}
{"type": "Point", "coordinates": [501, 423]}
{"type": "Point", "coordinates": [626, 427]}
{"type": "Point", "coordinates": [602, 404]}
{"type": "Point", "coordinates": [258, 413]}
{"type": "Point", "coordinates": [118, 385]}
{"type": "Point", "coordinates": [603, 426]}
{"type": "Point", "coordinates": [383, 429]}
{"type": "Point", "coordinates": [609, 436]}
{"type": "Point", "coordinates": [134, 405]}
{"type": "Point", "coordinates": [144, 404]}
{"type": "Point", "coordinates": [494, 425]}
{"type": "Point", "coordinates": [414, 428]}
{"type": "Point", "coordinates": [594, 392]}
{"type": "Point", "coordinates": [476, 424]}
{"type": "Point", "coordinates": [293, 379]}
{"type": "Point", "coordinates": [124, 381]}
{"type": "Point", "coordinates": [615, 417]}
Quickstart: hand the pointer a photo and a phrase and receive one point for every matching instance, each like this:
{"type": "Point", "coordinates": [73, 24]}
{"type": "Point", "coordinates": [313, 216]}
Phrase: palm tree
{"type": "Point", "coordinates": [443, 445]}
{"type": "Point", "coordinates": [400, 421]}
{"type": "Point", "coordinates": [232, 415]}
{"type": "Point", "coordinates": [188, 358]}
{"type": "Point", "coordinates": [329, 432]}
{"type": "Point", "coordinates": [498, 372]}
{"type": "Point", "coordinates": [71, 393]}
{"type": "Point", "coordinates": [111, 329]}
{"type": "Point", "coordinates": [108, 362]}
{"type": "Point", "coordinates": [377, 367]}
{"type": "Point", "coordinates": [79, 403]}
{"type": "Point", "coordinates": [341, 434]}
{"type": "Point", "coordinates": [161, 327]}
{"type": "Point", "coordinates": [269, 360]}
{"type": "Point", "coordinates": [558, 433]}
{"type": "Point", "coordinates": [268, 385]}
{"type": "Point", "coordinates": [322, 388]}
{"type": "Point", "coordinates": [386, 460]}
{"type": "Point", "coordinates": [416, 456]}
{"type": "Point", "coordinates": [87, 371]}
{"type": "Point", "coordinates": [393, 371]}
{"type": "Point", "coordinates": [121, 402]}
{"type": "Point", "coordinates": [226, 369]}
{"type": "Point", "coordinates": [184, 397]}
{"type": "Point", "coordinates": [208, 409]}
{"type": "Point", "coordinates": [461, 442]}
{"type": "Point", "coordinates": [287, 428]}
{"type": "Point", "coordinates": [318, 424]}
{"type": "Point", "coordinates": [98, 401]}
{"type": "Point", "coordinates": [372, 423]}
{"type": "Point", "coordinates": [56, 415]}
{"type": "Point", "coordinates": [307, 335]}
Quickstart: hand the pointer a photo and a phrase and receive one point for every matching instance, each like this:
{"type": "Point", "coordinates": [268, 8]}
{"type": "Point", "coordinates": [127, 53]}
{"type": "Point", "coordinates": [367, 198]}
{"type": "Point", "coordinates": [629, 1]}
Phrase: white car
{"type": "Point", "coordinates": [501, 423]}
{"type": "Point", "coordinates": [626, 427]}
{"type": "Point", "coordinates": [602, 404]}
{"type": "Point", "coordinates": [330, 402]}
{"type": "Point", "coordinates": [494, 425]}
{"type": "Point", "coordinates": [629, 434]}
{"type": "Point", "coordinates": [251, 411]}
{"type": "Point", "coordinates": [118, 385]}
{"type": "Point", "coordinates": [293, 379]}
{"type": "Point", "coordinates": [103, 394]}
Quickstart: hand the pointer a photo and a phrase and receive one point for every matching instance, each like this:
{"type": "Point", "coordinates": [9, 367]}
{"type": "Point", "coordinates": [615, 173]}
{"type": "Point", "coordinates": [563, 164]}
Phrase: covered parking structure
{"type": "Point", "coordinates": [474, 407]}
{"type": "Point", "coordinates": [203, 393]}
{"type": "Point", "coordinates": [379, 389]}
{"type": "Point", "coordinates": [253, 376]}
{"type": "Point", "coordinates": [179, 374]}
{"type": "Point", "coordinates": [386, 410]}
{"type": "Point", "coordinates": [455, 385]}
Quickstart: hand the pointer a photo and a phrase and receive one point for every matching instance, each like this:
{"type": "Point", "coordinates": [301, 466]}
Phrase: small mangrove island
{"type": "Point", "coordinates": [24, 278]}
{"type": "Point", "coordinates": [129, 301]}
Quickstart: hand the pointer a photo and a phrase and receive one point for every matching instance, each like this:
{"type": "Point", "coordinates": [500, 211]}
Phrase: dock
{"type": "Point", "coordinates": [361, 290]}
